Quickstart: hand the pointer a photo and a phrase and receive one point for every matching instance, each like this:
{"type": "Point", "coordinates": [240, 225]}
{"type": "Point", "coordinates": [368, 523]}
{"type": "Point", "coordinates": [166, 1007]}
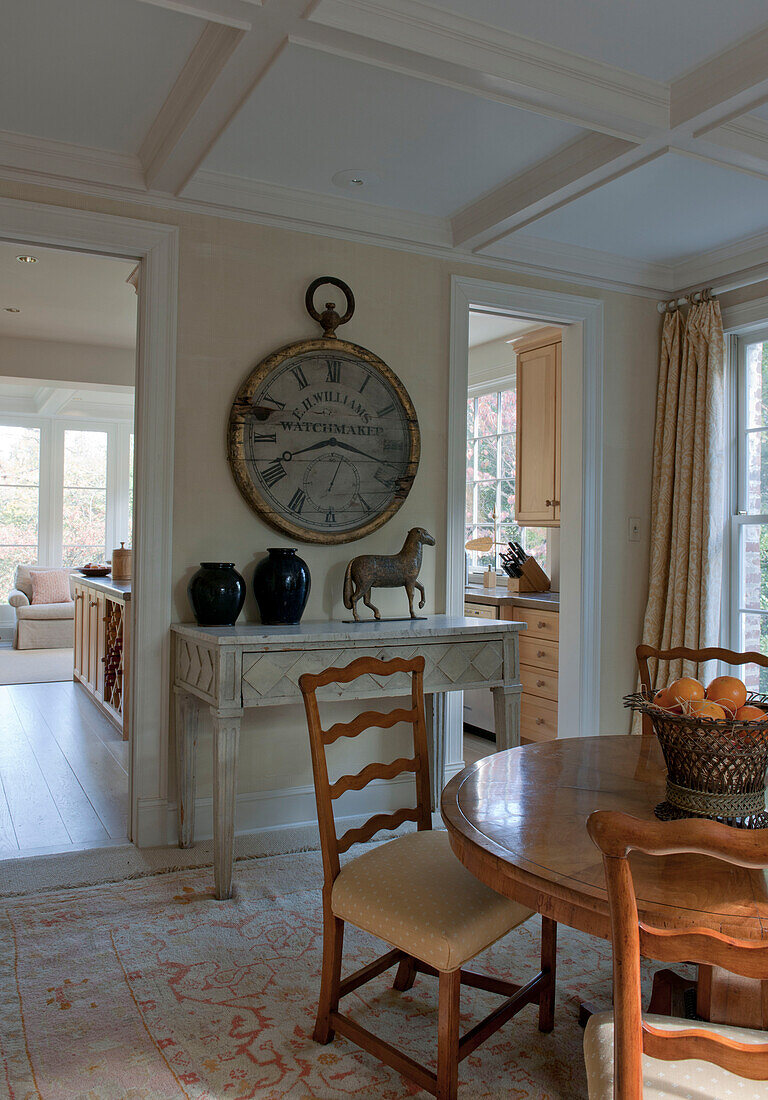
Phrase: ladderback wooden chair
{"type": "Point", "coordinates": [411, 892]}
{"type": "Point", "coordinates": [625, 1050]}
{"type": "Point", "coordinates": [646, 653]}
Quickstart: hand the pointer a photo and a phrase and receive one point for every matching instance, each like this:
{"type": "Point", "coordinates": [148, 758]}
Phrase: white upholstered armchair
{"type": "Point", "coordinates": [39, 625]}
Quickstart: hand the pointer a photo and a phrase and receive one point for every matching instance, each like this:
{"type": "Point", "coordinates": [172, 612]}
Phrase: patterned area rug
{"type": "Point", "coordinates": [152, 990]}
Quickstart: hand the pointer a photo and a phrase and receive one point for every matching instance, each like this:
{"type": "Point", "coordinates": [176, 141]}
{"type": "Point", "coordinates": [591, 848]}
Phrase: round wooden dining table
{"type": "Point", "coordinates": [517, 821]}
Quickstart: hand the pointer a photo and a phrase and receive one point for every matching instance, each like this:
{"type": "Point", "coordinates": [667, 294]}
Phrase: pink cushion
{"type": "Point", "coordinates": [50, 586]}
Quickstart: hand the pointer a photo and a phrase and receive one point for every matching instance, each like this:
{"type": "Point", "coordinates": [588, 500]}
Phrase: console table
{"type": "Point", "coordinates": [229, 669]}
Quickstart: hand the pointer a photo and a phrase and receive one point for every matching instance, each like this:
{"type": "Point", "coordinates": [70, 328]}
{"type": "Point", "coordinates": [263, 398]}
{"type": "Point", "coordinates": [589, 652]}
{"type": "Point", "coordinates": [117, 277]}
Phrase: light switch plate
{"type": "Point", "coordinates": [633, 529]}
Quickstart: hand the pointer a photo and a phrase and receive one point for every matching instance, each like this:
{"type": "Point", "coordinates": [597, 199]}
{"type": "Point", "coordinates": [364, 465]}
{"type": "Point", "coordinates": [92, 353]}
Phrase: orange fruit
{"type": "Point", "coordinates": [728, 691]}
{"type": "Point", "coordinates": [660, 698]}
{"type": "Point", "coordinates": [685, 690]}
{"type": "Point", "coordinates": [703, 708]}
{"type": "Point", "coordinates": [750, 714]}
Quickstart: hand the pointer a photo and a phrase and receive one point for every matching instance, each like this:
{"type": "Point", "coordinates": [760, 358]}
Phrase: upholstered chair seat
{"type": "Point", "coordinates": [691, 1079]}
{"type": "Point", "coordinates": [414, 894]}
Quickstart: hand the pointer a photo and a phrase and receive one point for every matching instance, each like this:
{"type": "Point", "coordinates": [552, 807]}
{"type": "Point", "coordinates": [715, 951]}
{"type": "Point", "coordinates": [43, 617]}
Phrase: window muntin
{"type": "Point", "coordinates": [490, 481]}
{"type": "Point", "coordinates": [19, 501]}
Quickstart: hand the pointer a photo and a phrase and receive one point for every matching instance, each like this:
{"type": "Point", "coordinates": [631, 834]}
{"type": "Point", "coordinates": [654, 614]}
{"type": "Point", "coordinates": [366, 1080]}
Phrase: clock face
{"type": "Point", "coordinates": [324, 441]}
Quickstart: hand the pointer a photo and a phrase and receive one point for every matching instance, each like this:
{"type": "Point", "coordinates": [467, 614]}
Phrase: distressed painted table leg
{"type": "Point", "coordinates": [506, 699]}
{"type": "Point", "coordinates": [506, 714]}
{"type": "Point", "coordinates": [435, 707]}
{"type": "Point", "coordinates": [226, 738]}
{"type": "Point", "coordinates": [187, 716]}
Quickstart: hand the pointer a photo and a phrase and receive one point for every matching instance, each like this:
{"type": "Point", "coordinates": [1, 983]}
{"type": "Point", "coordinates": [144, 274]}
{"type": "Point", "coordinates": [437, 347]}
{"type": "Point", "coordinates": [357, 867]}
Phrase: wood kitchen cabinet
{"type": "Point", "coordinates": [537, 487]}
{"type": "Point", "coordinates": [102, 645]}
{"type": "Point", "coordinates": [539, 660]}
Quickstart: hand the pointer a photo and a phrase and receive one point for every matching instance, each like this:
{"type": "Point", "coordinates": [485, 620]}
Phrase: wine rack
{"type": "Point", "coordinates": [102, 646]}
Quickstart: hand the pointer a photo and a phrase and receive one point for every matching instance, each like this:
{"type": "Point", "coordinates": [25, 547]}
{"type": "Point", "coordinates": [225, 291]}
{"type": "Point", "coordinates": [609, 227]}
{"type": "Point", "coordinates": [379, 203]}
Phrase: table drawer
{"type": "Point", "coordinates": [480, 611]}
{"type": "Point", "coordinates": [541, 624]}
{"type": "Point", "coordinates": [538, 720]}
{"type": "Point", "coordinates": [538, 652]}
{"type": "Point", "coordinates": [539, 681]}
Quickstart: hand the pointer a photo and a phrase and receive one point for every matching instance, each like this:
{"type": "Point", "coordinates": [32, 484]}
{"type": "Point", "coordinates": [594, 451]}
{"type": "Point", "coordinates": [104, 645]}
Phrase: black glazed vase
{"type": "Point", "coordinates": [217, 593]}
{"type": "Point", "coordinates": [281, 584]}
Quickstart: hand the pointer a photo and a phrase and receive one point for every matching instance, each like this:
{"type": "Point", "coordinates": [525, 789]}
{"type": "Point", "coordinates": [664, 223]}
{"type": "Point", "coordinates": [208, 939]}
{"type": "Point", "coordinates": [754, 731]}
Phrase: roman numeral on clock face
{"type": "Point", "coordinates": [393, 444]}
{"type": "Point", "coordinates": [301, 380]}
{"type": "Point", "coordinates": [268, 437]}
{"type": "Point", "coordinates": [330, 516]}
{"type": "Point", "coordinates": [334, 370]}
{"type": "Point", "coordinates": [387, 411]}
{"type": "Point", "coordinates": [296, 503]}
{"type": "Point", "coordinates": [273, 474]}
{"type": "Point", "coordinates": [274, 401]}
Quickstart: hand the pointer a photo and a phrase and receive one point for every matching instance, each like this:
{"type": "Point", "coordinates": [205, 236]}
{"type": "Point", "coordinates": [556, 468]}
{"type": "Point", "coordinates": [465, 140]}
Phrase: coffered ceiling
{"type": "Point", "coordinates": [622, 143]}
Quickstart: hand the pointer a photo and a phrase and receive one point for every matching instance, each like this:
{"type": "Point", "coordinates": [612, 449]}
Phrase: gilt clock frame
{"type": "Point", "coordinates": [242, 414]}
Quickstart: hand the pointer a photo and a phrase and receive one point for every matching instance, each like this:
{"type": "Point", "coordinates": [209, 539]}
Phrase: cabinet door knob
{"type": "Point", "coordinates": [552, 503]}
{"type": "Point", "coordinates": [539, 721]}
{"type": "Point", "coordinates": [541, 625]}
{"type": "Point", "coordinates": [541, 652]}
{"type": "Point", "coordinates": [92, 603]}
{"type": "Point", "coordinates": [540, 683]}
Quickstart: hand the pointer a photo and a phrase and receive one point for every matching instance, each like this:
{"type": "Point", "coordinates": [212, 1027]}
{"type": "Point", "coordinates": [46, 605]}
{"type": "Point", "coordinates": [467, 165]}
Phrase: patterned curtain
{"type": "Point", "coordinates": [684, 590]}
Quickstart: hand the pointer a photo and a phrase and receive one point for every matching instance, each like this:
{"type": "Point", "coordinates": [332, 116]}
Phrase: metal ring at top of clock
{"type": "Point", "coordinates": [329, 318]}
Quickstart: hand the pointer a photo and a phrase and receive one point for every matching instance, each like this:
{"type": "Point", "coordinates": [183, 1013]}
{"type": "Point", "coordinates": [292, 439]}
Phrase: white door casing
{"type": "Point", "coordinates": [156, 246]}
{"type": "Point", "coordinates": [581, 510]}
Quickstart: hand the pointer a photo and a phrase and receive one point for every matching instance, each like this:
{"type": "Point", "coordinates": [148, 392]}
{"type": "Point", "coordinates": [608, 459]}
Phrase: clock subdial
{"type": "Point", "coordinates": [331, 483]}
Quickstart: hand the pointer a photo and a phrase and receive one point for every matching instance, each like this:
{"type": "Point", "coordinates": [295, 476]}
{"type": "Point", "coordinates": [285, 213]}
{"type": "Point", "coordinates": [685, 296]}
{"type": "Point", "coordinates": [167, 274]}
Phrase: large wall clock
{"type": "Point", "coordinates": [323, 439]}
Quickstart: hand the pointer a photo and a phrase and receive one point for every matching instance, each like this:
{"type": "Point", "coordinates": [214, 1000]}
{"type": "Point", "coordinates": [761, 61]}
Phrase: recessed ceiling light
{"type": "Point", "coordinates": [12, 309]}
{"type": "Point", "coordinates": [355, 178]}
{"type": "Point", "coordinates": [27, 259]}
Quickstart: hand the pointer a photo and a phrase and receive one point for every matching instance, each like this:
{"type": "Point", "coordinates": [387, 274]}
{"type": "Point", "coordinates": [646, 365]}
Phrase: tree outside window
{"type": "Point", "coordinates": [491, 420]}
{"type": "Point", "coordinates": [19, 501]}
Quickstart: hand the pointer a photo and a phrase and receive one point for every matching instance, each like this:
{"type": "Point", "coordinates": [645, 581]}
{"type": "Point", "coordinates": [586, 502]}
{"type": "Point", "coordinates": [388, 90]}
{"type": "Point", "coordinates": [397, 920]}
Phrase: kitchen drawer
{"type": "Point", "coordinates": [480, 611]}
{"type": "Point", "coordinates": [541, 624]}
{"type": "Point", "coordinates": [536, 651]}
{"type": "Point", "coordinates": [538, 720]}
{"type": "Point", "coordinates": [539, 681]}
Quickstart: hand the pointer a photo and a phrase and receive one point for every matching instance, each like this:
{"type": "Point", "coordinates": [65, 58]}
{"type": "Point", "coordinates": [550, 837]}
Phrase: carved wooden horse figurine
{"type": "Point", "coordinates": [387, 571]}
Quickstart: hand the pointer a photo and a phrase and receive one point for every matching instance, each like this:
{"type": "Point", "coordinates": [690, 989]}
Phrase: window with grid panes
{"type": "Point", "coordinates": [749, 520]}
{"type": "Point", "coordinates": [491, 481]}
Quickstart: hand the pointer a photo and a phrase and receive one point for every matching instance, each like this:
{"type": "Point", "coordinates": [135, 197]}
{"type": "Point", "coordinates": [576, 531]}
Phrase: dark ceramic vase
{"type": "Point", "coordinates": [217, 593]}
{"type": "Point", "coordinates": [281, 584]}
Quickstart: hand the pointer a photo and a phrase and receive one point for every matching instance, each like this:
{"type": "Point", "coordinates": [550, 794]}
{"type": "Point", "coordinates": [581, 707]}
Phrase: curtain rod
{"type": "Point", "coordinates": [758, 275]}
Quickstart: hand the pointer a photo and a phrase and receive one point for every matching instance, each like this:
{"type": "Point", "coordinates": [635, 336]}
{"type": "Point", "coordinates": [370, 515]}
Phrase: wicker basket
{"type": "Point", "coordinates": [715, 769]}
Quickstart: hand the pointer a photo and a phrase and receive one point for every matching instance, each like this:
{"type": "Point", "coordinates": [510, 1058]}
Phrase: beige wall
{"type": "Point", "coordinates": [241, 291]}
{"type": "Point", "coordinates": [59, 361]}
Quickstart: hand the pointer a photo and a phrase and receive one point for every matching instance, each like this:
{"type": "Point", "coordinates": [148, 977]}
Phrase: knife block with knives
{"type": "Point", "coordinates": [524, 574]}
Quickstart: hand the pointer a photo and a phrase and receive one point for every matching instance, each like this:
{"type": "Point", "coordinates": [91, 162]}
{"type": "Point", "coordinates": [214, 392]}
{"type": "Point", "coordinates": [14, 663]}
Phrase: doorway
{"type": "Point", "coordinates": [67, 375]}
{"type": "Point", "coordinates": [154, 246]}
{"type": "Point", "coordinates": [581, 535]}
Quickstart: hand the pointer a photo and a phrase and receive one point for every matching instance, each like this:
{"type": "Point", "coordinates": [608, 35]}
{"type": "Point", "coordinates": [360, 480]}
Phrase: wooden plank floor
{"type": "Point", "coordinates": [63, 772]}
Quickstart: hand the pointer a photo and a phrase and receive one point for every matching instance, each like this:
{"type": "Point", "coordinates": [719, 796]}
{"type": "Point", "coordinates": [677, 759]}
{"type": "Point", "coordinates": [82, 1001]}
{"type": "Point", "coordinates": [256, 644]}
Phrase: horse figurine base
{"type": "Point", "coordinates": [396, 619]}
{"type": "Point", "coordinates": [387, 571]}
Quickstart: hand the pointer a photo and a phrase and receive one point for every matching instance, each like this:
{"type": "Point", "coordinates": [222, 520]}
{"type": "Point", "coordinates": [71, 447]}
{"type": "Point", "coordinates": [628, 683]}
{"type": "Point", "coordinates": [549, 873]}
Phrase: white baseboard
{"type": "Point", "coordinates": [287, 809]}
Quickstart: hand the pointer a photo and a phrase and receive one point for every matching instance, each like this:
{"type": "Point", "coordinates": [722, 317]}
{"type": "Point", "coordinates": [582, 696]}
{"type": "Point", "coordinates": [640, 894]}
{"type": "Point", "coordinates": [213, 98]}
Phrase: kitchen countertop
{"type": "Point", "coordinates": [501, 596]}
{"type": "Point", "coordinates": [104, 584]}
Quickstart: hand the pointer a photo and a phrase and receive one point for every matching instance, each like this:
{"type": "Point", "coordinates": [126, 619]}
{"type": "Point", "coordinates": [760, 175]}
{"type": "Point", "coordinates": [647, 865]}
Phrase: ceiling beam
{"type": "Point", "coordinates": [722, 88]}
{"type": "Point", "coordinates": [416, 38]}
{"type": "Point", "coordinates": [573, 171]}
{"type": "Point", "coordinates": [221, 72]}
{"type": "Point", "coordinates": [229, 13]}
{"type": "Point", "coordinates": [50, 400]}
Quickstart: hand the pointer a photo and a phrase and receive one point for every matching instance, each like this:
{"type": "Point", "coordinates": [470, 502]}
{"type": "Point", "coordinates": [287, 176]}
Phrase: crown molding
{"type": "Point", "coordinates": [574, 262]}
{"type": "Point", "coordinates": [220, 190]}
{"type": "Point", "coordinates": [46, 163]}
{"type": "Point", "coordinates": [61, 161]}
{"type": "Point", "coordinates": [748, 135]}
{"type": "Point", "coordinates": [580, 89]}
{"type": "Point", "coordinates": [743, 259]}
